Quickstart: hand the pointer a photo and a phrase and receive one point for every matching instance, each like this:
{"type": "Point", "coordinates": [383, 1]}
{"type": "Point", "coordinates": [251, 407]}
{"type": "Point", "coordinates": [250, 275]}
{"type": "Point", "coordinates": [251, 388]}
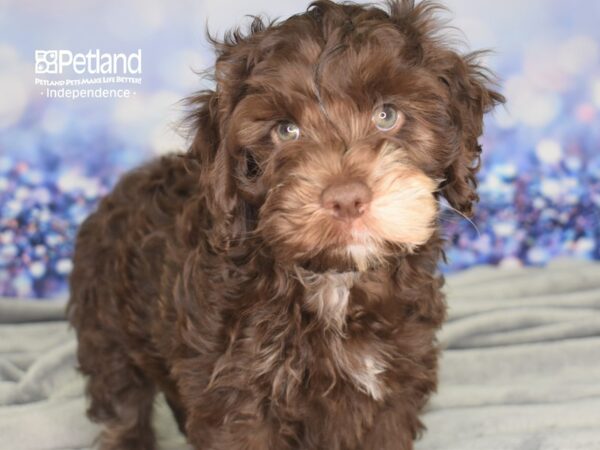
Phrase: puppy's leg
{"type": "Point", "coordinates": [244, 435]}
{"type": "Point", "coordinates": [394, 429]}
{"type": "Point", "coordinates": [121, 397]}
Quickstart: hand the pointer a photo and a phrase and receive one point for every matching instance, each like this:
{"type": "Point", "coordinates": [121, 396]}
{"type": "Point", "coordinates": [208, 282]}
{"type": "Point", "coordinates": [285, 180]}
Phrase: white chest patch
{"type": "Point", "coordinates": [327, 295]}
{"type": "Point", "coordinates": [367, 377]}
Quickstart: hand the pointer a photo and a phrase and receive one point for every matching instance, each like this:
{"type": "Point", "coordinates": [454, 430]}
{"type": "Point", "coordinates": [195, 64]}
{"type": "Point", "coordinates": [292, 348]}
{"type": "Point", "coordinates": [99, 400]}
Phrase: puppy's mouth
{"type": "Point", "coordinates": [352, 249]}
{"type": "Point", "coordinates": [335, 259]}
{"type": "Point", "coordinates": [351, 232]}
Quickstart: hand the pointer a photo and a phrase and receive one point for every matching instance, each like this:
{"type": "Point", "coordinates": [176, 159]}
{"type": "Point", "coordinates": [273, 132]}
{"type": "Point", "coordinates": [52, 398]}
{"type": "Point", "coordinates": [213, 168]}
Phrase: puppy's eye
{"type": "Point", "coordinates": [386, 117]}
{"type": "Point", "coordinates": [287, 131]}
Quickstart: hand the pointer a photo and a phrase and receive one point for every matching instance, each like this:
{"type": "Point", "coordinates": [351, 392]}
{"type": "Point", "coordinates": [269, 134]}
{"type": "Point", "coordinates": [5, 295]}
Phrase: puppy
{"type": "Point", "coordinates": [278, 281]}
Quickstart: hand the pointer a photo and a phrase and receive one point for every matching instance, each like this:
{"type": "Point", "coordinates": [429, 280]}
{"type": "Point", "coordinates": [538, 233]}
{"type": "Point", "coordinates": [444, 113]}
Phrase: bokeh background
{"type": "Point", "coordinates": [540, 183]}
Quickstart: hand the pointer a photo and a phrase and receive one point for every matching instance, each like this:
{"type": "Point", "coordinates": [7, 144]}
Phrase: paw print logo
{"type": "Point", "coordinates": [46, 61]}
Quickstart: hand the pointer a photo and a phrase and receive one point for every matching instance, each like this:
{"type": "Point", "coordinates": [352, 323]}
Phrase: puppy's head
{"type": "Point", "coordinates": [331, 136]}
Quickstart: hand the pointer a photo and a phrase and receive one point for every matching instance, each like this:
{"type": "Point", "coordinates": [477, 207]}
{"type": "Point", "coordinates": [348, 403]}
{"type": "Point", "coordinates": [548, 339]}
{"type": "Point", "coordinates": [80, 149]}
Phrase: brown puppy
{"type": "Point", "coordinates": [278, 281]}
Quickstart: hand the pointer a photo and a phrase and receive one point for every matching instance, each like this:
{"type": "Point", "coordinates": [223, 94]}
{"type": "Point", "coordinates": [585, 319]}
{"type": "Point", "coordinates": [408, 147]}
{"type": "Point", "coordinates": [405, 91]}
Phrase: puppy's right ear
{"type": "Point", "coordinates": [212, 146]}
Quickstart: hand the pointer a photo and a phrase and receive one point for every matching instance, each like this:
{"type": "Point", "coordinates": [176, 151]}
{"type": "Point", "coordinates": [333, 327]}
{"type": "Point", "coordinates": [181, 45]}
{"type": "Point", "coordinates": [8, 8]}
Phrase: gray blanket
{"type": "Point", "coordinates": [521, 369]}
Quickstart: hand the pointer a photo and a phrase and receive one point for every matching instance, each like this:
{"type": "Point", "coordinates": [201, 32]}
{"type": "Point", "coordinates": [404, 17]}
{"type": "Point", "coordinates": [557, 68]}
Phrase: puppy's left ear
{"type": "Point", "coordinates": [472, 96]}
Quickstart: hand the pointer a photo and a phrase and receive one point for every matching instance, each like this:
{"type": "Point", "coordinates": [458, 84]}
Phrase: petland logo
{"type": "Point", "coordinates": [58, 70]}
{"type": "Point", "coordinates": [92, 62]}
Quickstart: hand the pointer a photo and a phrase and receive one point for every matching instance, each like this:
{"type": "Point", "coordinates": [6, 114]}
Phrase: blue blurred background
{"type": "Point", "coordinates": [540, 183]}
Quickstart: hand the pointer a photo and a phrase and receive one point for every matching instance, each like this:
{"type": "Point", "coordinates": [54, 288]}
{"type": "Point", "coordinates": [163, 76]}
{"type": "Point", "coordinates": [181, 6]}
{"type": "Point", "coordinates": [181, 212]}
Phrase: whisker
{"type": "Point", "coordinates": [447, 206]}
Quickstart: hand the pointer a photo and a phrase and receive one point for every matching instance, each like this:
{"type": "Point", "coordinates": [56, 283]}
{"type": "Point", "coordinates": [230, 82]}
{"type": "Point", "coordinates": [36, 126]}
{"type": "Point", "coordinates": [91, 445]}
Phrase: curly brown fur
{"type": "Point", "coordinates": [229, 280]}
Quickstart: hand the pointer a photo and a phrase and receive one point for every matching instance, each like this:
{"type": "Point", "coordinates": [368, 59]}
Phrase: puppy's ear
{"type": "Point", "coordinates": [213, 146]}
{"type": "Point", "coordinates": [471, 97]}
{"type": "Point", "coordinates": [206, 147]}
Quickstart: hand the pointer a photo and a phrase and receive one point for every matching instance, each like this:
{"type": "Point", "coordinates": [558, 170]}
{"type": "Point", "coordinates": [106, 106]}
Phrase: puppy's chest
{"type": "Point", "coordinates": [355, 356]}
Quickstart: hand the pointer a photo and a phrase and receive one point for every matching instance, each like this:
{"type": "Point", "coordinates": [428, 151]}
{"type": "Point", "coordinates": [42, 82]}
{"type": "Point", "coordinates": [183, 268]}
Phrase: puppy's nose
{"type": "Point", "coordinates": [347, 200]}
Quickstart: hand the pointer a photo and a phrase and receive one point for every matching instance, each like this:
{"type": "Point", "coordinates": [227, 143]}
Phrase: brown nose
{"type": "Point", "coordinates": [347, 200]}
